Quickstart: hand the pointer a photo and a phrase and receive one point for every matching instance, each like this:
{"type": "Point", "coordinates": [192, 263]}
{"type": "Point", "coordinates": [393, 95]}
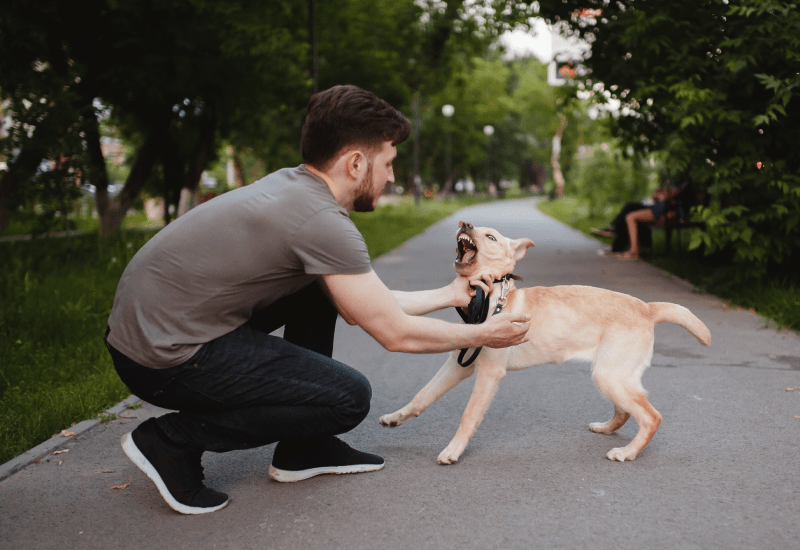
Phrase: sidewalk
{"type": "Point", "coordinates": [720, 473]}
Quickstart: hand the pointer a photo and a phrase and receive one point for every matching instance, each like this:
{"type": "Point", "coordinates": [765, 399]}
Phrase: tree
{"type": "Point", "coordinates": [178, 76]}
{"type": "Point", "coordinates": [711, 85]}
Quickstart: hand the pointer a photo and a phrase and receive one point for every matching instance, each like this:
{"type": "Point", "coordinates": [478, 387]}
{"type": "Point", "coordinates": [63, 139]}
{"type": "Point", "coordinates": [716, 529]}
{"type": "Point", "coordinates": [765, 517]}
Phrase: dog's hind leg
{"type": "Point", "coordinates": [445, 380]}
{"type": "Point", "coordinates": [618, 377]}
{"type": "Point", "coordinates": [612, 425]}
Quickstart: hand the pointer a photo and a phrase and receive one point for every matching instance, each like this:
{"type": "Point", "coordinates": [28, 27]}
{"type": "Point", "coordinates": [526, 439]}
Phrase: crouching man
{"type": "Point", "coordinates": [192, 316]}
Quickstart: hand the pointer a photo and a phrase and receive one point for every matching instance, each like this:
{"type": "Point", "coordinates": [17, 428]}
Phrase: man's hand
{"type": "Point", "coordinates": [507, 329]}
{"type": "Point", "coordinates": [463, 290]}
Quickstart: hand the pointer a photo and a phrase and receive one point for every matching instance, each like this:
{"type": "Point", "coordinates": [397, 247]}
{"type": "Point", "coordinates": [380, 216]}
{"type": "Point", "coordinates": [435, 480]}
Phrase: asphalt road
{"type": "Point", "coordinates": [722, 472]}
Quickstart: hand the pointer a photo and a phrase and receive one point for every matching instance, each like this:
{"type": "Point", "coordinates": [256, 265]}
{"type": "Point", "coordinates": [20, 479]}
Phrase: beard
{"type": "Point", "coordinates": [365, 194]}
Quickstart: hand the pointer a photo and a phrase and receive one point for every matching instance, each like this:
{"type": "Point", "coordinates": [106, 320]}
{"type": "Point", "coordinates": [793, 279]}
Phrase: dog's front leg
{"type": "Point", "coordinates": [445, 380]}
{"type": "Point", "coordinates": [491, 371]}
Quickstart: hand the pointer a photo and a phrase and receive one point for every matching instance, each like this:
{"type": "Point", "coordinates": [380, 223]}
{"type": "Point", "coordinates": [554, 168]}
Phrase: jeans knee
{"type": "Point", "coordinates": [360, 397]}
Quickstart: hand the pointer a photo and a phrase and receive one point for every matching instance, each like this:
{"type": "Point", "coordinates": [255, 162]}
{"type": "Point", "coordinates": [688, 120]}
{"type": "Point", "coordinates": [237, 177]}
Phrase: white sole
{"type": "Point", "coordinates": [136, 456]}
{"type": "Point", "coordinates": [288, 476]}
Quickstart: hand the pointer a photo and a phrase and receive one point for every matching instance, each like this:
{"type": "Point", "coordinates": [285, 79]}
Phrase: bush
{"type": "Point", "coordinates": [605, 179]}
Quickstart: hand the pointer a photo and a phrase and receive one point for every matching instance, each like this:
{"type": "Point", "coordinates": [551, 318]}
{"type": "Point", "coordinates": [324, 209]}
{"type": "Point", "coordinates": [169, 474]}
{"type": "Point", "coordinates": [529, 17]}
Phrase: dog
{"type": "Point", "coordinates": [613, 331]}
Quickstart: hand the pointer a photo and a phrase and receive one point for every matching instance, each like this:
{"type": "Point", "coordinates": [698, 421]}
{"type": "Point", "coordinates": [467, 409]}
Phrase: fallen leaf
{"type": "Point", "coordinates": [60, 462]}
{"type": "Point", "coordinates": [61, 451]}
{"type": "Point", "coordinates": [72, 424]}
{"type": "Point", "coordinates": [107, 472]}
{"type": "Point", "coordinates": [121, 486]}
{"type": "Point", "coordinates": [65, 433]}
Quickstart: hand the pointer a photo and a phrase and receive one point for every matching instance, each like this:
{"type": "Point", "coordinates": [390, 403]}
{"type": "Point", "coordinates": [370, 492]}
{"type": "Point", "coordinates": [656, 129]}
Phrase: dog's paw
{"type": "Point", "coordinates": [621, 454]}
{"type": "Point", "coordinates": [391, 420]}
{"type": "Point", "coordinates": [601, 428]}
{"type": "Point", "coordinates": [448, 457]}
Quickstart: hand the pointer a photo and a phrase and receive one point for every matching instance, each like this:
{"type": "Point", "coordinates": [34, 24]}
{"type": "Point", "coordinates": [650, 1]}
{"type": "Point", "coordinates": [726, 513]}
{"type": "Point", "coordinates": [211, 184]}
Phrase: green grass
{"type": "Point", "coordinates": [55, 297]}
{"type": "Point", "coordinates": [25, 224]}
{"type": "Point", "coordinates": [777, 300]}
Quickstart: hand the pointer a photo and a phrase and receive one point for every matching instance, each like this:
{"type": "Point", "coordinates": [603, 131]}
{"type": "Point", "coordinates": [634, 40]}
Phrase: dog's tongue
{"type": "Point", "coordinates": [469, 255]}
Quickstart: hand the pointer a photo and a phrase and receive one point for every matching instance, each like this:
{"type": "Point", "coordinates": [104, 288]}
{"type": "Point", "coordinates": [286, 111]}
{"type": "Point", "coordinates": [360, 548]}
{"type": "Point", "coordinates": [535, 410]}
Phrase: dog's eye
{"type": "Point", "coordinates": [490, 237]}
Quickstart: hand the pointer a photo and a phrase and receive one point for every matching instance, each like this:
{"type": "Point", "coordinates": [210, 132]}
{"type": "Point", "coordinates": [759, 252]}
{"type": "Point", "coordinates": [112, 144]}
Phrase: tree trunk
{"type": "Point", "coordinates": [6, 187]}
{"type": "Point", "coordinates": [237, 164]}
{"type": "Point", "coordinates": [112, 212]}
{"type": "Point", "coordinates": [558, 177]}
{"type": "Point", "coordinates": [205, 143]}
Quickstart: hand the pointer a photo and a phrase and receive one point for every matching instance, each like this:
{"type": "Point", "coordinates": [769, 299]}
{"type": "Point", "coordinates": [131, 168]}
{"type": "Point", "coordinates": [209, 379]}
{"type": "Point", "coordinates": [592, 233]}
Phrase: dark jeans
{"type": "Point", "coordinates": [248, 388]}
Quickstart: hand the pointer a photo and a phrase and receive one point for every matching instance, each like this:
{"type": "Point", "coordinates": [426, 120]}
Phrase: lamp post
{"type": "Point", "coordinates": [447, 111]}
{"type": "Point", "coordinates": [489, 131]}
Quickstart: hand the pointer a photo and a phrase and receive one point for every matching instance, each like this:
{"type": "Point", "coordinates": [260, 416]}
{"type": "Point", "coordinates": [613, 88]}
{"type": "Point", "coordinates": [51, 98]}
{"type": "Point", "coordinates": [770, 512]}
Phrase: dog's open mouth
{"type": "Point", "coordinates": [466, 250]}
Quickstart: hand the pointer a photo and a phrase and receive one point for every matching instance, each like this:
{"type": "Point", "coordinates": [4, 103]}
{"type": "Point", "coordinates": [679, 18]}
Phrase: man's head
{"type": "Point", "coordinates": [351, 135]}
{"type": "Point", "coordinates": [348, 117]}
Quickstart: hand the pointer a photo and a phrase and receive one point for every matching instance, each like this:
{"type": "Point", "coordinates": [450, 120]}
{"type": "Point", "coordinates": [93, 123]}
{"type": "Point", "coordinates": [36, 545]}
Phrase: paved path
{"type": "Point", "coordinates": [722, 472]}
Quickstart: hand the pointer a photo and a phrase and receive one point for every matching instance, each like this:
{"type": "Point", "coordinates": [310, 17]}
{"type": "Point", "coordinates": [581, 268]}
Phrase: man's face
{"type": "Point", "coordinates": [378, 174]}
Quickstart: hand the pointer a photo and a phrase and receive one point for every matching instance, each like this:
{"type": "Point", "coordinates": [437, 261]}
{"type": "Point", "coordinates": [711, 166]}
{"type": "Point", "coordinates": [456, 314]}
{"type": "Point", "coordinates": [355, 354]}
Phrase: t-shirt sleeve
{"type": "Point", "coordinates": [329, 243]}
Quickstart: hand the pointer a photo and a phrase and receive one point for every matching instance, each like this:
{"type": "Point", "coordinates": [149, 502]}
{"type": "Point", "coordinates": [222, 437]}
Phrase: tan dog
{"type": "Point", "coordinates": [613, 331]}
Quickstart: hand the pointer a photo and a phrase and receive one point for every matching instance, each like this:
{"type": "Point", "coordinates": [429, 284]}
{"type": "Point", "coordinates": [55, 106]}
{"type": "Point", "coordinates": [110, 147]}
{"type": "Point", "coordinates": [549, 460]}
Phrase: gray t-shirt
{"type": "Point", "coordinates": [205, 274]}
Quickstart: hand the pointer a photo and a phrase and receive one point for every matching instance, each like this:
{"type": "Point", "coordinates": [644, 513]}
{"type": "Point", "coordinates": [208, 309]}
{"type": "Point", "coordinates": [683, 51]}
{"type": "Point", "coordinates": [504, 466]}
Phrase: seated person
{"type": "Point", "coordinates": [624, 227]}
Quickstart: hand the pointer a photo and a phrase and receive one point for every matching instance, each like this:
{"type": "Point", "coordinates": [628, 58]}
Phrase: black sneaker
{"type": "Point", "coordinates": [296, 461]}
{"type": "Point", "coordinates": [177, 472]}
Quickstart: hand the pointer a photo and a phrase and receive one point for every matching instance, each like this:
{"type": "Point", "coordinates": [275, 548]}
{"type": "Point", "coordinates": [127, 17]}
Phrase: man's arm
{"type": "Point", "coordinates": [364, 300]}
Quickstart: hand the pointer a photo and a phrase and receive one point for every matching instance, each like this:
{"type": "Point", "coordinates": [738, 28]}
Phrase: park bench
{"type": "Point", "coordinates": [675, 223]}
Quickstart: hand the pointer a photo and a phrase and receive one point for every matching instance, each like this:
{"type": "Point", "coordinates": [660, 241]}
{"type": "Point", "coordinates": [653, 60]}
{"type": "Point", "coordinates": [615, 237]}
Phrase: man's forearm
{"type": "Point", "coordinates": [422, 302]}
{"type": "Point", "coordinates": [428, 335]}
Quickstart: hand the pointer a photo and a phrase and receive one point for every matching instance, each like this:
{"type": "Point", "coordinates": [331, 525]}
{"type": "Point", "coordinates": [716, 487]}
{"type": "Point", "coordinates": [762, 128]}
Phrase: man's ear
{"type": "Point", "coordinates": [355, 162]}
{"type": "Point", "coordinates": [520, 247]}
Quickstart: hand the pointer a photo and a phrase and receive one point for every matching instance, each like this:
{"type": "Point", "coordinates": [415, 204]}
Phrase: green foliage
{"type": "Point", "coordinates": [712, 88]}
{"type": "Point", "coordinates": [604, 178]}
{"type": "Point", "coordinates": [515, 99]}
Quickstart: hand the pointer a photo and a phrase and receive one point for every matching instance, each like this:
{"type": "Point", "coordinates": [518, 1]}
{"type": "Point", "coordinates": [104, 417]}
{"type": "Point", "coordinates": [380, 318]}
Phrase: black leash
{"type": "Point", "coordinates": [478, 311]}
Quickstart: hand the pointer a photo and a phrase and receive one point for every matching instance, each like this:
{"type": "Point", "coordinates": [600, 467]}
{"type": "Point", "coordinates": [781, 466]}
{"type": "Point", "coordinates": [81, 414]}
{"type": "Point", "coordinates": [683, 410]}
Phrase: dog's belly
{"type": "Point", "coordinates": [526, 355]}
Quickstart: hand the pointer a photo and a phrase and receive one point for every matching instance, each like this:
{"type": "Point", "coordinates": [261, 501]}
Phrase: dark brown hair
{"type": "Point", "coordinates": [348, 116]}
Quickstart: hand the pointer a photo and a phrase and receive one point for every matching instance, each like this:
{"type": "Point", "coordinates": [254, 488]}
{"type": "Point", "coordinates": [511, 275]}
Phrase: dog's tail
{"type": "Point", "coordinates": [673, 313]}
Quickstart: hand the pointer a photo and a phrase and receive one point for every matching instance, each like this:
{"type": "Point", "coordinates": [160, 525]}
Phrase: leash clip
{"type": "Point", "coordinates": [505, 284]}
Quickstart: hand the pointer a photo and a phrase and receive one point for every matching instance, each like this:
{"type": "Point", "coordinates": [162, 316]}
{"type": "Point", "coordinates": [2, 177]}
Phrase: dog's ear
{"type": "Point", "coordinates": [520, 247]}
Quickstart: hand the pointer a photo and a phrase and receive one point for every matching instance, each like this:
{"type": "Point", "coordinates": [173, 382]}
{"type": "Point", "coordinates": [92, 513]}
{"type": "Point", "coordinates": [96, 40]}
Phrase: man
{"type": "Point", "coordinates": [192, 316]}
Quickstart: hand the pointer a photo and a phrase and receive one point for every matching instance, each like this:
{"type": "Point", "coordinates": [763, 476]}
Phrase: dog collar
{"type": "Point", "coordinates": [478, 310]}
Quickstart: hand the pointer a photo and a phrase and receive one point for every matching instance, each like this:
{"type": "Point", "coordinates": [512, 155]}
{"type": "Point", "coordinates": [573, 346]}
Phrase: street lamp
{"type": "Point", "coordinates": [489, 131]}
{"type": "Point", "coordinates": [447, 111]}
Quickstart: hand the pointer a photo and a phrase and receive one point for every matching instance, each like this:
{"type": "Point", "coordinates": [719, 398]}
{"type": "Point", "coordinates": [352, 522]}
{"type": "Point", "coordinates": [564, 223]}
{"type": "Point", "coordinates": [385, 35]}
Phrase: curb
{"type": "Point", "coordinates": [54, 443]}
